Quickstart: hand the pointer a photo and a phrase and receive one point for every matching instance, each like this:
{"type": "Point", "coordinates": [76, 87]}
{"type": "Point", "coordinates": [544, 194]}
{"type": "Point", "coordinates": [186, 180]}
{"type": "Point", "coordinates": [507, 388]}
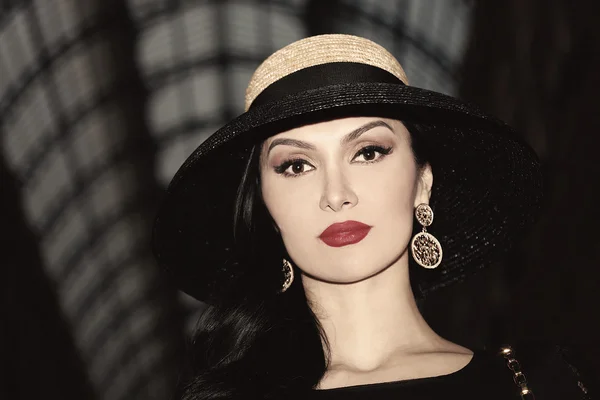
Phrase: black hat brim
{"type": "Point", "coordinates": [487, 182]}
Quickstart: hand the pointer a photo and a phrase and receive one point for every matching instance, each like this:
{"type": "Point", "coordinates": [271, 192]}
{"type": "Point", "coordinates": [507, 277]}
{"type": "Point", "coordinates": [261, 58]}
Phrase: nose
{"type": "Point", "coordinates": [337, 193]}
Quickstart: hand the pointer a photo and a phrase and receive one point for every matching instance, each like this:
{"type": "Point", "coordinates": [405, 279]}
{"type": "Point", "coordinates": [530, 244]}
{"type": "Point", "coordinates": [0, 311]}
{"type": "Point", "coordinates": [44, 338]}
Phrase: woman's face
{"type": "Point", "coordinates": [355, 176]}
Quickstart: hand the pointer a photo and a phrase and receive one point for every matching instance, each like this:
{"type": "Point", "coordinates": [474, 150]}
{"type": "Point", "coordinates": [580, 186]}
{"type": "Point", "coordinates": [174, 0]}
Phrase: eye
{"type": "Point", "coordinates": [294, 167]}
{"type": "Point", "coordinates": [372, 153]}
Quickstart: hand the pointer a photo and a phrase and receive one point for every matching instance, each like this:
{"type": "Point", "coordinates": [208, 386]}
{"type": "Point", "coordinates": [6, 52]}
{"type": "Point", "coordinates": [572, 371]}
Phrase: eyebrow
{"type": "Point", "coordinates": [355, 134]}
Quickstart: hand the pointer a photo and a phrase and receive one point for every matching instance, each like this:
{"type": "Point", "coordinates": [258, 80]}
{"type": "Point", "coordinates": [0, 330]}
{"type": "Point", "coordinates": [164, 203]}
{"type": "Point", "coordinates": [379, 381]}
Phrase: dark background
{"type": "Point", "coordinates": [101, 101]}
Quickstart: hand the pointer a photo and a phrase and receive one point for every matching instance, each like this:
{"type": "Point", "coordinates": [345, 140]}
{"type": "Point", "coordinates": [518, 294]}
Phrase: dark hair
{"type": "Point", "coordinates": [257, 343]}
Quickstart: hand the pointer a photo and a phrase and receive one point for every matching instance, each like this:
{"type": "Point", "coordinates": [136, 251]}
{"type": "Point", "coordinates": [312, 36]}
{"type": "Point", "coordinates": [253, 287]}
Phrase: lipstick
{"type": "Point", "coordinates": [344, 233]}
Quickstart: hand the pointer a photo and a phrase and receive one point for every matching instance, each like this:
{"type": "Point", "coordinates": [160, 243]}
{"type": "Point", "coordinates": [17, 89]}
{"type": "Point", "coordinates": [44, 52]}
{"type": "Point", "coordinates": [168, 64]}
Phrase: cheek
{"type": "Point", "coordinates": [293, 205]}
{"type": "Point", "coordinates": [387, 202]}
{"type": "Point", "coordinates": [289, 203]}
{"type": "Point", "coordinates": [390, 190]}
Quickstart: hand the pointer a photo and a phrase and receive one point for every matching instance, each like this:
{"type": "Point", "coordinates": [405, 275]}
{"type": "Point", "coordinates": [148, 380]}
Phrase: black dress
{"type": "Point", "coordinates": [550, 372]}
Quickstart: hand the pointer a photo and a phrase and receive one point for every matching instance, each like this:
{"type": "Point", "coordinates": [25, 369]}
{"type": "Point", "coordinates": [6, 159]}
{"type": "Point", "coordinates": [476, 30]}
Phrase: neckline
{"type": "Point", "coordinates": [377, 385]}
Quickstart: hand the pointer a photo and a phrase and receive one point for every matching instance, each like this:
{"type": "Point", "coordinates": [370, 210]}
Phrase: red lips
{"type": "Point", "coordinates": [344, 233]}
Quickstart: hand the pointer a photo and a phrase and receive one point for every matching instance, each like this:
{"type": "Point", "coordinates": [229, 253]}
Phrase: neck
{"type": "Point", "coordinates": [371, 323]}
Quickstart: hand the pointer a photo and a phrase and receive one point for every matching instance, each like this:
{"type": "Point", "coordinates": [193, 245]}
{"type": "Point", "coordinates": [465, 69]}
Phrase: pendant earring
{"type": "Point", "coordinates": [426, 249]}
{"type": "Point", "coordinates": [288, 273]}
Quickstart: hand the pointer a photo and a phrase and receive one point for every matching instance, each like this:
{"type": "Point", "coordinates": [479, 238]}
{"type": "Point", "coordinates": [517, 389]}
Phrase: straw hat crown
{"type": "Point", "coordinates": [319, 50]}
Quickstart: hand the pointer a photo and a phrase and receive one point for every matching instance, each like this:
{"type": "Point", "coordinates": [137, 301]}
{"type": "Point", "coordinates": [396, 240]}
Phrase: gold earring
{"type": "Point", "coordinates": [288, 273]}
{"type": "Point", "coordinates": [426, 249]}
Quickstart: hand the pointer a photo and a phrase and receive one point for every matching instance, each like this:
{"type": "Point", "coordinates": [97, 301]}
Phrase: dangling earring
{"type": "Point", "coordinates": [288, 273]}
{"type": "Point", "coordinates": [426, 249]}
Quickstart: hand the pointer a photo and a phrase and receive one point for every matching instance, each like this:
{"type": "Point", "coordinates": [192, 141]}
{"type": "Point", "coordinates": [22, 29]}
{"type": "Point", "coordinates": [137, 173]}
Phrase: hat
{"type": "Point", "coordinates": [487, 181]}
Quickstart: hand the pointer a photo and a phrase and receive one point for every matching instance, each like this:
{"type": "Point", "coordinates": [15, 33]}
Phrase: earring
{"type": "Point", "coordinates": [426, 249]}
{"type": "Point", "coordinates": [288, 273]}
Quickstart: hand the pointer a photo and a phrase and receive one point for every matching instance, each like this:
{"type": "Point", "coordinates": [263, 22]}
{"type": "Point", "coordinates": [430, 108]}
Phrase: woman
{"type": "Point", "coordinates": [308, 225]}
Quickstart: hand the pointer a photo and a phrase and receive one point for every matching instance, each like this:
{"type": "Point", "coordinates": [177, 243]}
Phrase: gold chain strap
{"type": "Point", "coordinates": [519, 378]}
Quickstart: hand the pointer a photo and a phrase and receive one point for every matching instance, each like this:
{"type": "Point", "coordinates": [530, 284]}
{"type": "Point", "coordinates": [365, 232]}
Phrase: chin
{"type": "Point", "coordinates": [351, 268]}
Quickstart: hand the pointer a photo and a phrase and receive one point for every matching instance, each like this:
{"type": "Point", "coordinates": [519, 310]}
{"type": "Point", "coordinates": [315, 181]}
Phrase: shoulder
{"type": "Point", "coordinates": [552, 371]}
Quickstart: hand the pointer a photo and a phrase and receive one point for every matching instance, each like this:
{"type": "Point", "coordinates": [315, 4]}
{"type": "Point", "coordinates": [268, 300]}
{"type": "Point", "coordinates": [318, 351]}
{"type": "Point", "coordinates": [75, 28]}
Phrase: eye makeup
{"type": "Point", "coordinates": [293, 167]}
{"type": "Point", "coordinates": [369, 153]}
{"type": "Point", "coordinates": [296, 166]}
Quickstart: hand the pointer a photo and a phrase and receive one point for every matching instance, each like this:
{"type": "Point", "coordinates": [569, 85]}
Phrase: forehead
{"type": "Point", "coordinates": [336, 127]}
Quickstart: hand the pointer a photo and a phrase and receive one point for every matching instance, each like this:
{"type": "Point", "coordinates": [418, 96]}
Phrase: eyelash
{"type": "Point", "coordinates": [383, 151]}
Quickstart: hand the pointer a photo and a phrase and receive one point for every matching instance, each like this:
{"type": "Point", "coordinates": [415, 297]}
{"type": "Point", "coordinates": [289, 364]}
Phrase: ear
{"type": "Point", "coordinates": [424, 185]}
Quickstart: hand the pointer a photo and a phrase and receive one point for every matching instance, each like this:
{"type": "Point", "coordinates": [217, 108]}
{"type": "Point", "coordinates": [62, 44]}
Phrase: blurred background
{"type": "Point", "coordinates": [102, 100]}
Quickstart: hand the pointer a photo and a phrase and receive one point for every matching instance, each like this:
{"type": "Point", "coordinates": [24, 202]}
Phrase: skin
{"type": "Point", "coordinates": [360, 293]}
